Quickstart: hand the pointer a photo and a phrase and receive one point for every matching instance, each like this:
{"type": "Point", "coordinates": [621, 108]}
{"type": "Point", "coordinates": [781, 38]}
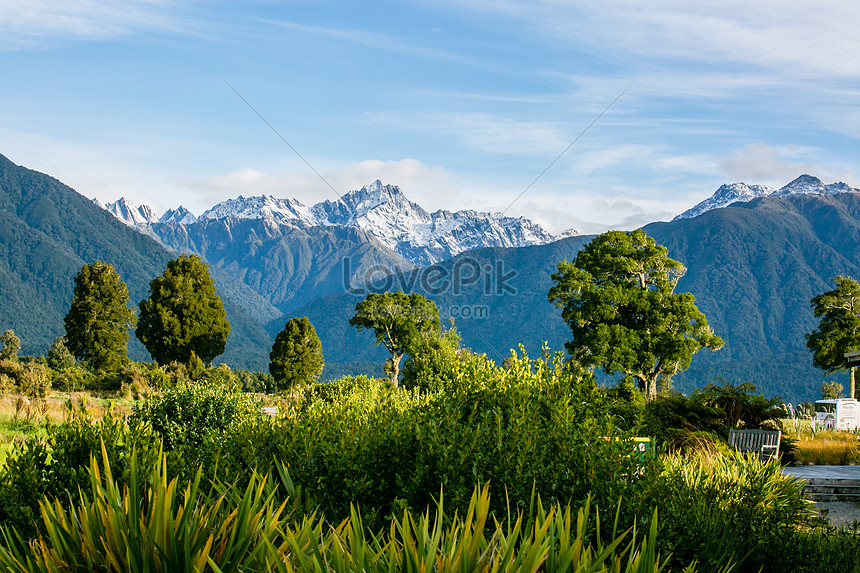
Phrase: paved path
{"type": "Point", "coordinates": [823, 472]}
{"type": "Point", "coordinates": [838, 513]}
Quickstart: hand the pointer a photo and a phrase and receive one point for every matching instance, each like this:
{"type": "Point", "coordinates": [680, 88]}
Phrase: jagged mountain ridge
{"type": "Point", "coordinates": [737, 192]}
{"type": "Point", "coordinates": [385, 212]}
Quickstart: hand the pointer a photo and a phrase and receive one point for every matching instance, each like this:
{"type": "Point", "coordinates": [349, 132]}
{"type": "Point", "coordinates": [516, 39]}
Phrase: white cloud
{"type": "Point", "coordinates": [764, 164]}
{"type": "Point", "coordinates": [28, 24]}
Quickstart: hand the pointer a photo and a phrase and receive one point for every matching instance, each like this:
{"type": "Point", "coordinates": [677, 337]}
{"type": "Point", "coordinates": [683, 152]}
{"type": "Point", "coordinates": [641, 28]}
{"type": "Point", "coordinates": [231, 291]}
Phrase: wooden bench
{"type": "Point", "coordinates": [765, 443]}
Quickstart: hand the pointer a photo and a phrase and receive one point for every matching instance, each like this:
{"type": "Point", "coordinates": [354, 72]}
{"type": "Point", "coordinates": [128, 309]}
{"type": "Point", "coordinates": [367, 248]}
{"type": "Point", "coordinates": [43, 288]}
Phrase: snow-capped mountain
{"type": "Point", "coordinates": [403, 226]}
{"type": "Point", "coordinates": [734, 192]}
{"type": "Point", "coordinates": [129, 213]}
{"type": "Point", "coordinates": [809, 185]}
{"type": "Point", "coordinates": [142, 217]}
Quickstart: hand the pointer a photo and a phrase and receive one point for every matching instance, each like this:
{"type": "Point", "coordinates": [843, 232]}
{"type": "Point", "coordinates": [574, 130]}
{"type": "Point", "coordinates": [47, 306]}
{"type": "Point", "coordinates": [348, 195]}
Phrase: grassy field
{"type": "Point", "coordinates": [20, 419]}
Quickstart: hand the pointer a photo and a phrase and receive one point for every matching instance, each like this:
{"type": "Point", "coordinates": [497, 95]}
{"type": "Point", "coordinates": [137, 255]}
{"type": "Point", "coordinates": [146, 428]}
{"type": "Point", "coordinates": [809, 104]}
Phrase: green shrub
{"type": "Point", "coordinates": [717, 505]}
{"type": "Point", "coordinates": [59, 464]}
{"type": "Point", "coordinates": [535, 424]}
{"type": "Point", "coordinates": [195, 420]}
{"type": "Point", "coordinates": [24, 479]}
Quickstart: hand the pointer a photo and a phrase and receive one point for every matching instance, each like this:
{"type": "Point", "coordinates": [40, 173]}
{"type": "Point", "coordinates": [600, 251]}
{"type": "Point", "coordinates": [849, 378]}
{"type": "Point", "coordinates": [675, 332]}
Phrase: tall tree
{"type": "Point", "coordinates": [839, 329]}
{"type": "Point", "coordinates": [11, 346]}
{"type": "Point", "coordinates": [183, 316]}
{"type": "Point", "coordinates": [296, 359]}
{"type": "Point", "coordinates": [396, 319]}
{"type": "Point", "coordinates": [99, 317]}
{"type": "Point", "coordinates": [618, 299]}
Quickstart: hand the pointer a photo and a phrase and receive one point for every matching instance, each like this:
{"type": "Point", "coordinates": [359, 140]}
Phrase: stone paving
{"type": "Point", "coordinates": [823, 472]}
{"type": "Point", "coordinates": [837, 512]}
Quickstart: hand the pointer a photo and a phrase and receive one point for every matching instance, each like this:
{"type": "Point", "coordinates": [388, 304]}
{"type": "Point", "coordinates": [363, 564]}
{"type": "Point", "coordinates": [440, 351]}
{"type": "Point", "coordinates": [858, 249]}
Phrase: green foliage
{"type": "Point", "coordinates": [183, 315]}
{"type": "Point", "coordinates": [255, 382]}
{"type": "Point", "coordinates": [59, 356]}
{"type": "Point", "coordinates": [195, 367]}
{"type": "Point", "coordinates": [839, 329]}
{"type": "Point", "coordinates": [24, 479]}
{"type": "Point", "coordinates": [831, 390]}
{"type": "Point", "coordinates": [296, 359]}
{"type": "Point", "coordinates": [536, 424]}
{"type": "Point", "coordinates": [682, 423]}
{"type": "Point", "coordinates": [11, 346]}
{"type": "Point", "coordinates": [79, 438]}
{"type": "Point", "coordinates": [34, 380]}
{"type": "Point", "coordinates": [58, 466]}
{"type": "Point", "coordinates": [195, 421]}
{"type": "Point", "coordinates": [742, 406]}
{"type": "Point", "coordinates": [704, 499]}
{"type": "Point", "coordinates": [618, 300]}
{"type": "Point", "coordinates": [432, 359]}
{"type": "Point", "coordinates": [123, 529]}
{"type": "Point", "coordinates": [99, 317]}
{"type": "Point", "coordinates": [396, 319]}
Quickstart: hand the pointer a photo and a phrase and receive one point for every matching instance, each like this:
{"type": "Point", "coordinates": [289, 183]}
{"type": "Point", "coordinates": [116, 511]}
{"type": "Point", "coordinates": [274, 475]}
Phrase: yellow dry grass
{"type": "Point", "coordinates": [828, 448]}
{"type": "Point", "coordinates": [22, 418]}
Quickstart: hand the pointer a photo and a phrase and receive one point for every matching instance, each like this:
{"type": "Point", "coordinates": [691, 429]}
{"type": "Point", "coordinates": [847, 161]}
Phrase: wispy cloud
{"type": "Point", "coordinates": [484, 132]}
{"type": "Point", "coordinates": [786, 37]}
{"type": "Point", "coordinates": [28, 24]}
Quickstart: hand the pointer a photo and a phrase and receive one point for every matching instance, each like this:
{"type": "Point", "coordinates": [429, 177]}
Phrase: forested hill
{"type": "Point", "coordinates": [48, 231]}
{"type": "Point", "coordinates": [752, 266]}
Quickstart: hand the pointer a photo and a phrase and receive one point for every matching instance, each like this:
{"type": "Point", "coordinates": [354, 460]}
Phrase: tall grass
{"type": "Point", "coordinates": [173, 528]}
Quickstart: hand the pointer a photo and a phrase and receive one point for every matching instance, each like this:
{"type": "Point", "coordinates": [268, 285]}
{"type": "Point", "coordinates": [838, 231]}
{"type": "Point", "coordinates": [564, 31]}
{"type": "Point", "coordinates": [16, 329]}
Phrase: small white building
{"type": "Point", "coordinates": [839, 414]}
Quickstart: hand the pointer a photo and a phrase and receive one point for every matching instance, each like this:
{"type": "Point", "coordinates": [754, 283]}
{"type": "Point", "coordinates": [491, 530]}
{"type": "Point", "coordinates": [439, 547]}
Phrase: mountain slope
{"type": "Point", "coordinates": [285, 265]}
{"type": "Point", "coordinates": [753, 268]}
{"type": "Point", "coordinates": [48, 231]}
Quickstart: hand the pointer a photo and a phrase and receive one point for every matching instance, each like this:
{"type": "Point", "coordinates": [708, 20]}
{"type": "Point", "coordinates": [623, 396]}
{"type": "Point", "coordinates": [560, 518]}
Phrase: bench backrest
{"type": "Point", "coordinates": [754, 440]}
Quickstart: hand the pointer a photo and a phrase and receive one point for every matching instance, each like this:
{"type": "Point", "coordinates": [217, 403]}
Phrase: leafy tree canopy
{"type": "Point", "coordinates": [618, 300]}
{"type": "Point", "coordinates": [296, 359]}
{"type": "Point", "coordinates": [183, 316]}
{"type": "Point", "coordinates": [397, 319]}
{"type": "Point", "coordinates": [11, 346]}
{"type": "Point", "coordinates": [839, 329]}
{"type": "Point", "coordinates": [99, 317]}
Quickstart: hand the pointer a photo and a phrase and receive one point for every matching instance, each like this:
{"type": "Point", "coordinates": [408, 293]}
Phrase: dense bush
{"type": "Point", "coordinates": [533, 426]}
{"type": "Point", "coordinates": [195, 421]}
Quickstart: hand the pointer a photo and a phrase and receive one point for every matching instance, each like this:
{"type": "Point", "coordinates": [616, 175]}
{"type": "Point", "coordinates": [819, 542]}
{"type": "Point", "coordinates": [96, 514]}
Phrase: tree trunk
{"type": "Point", "coordinates": [392, 368]}
{"type": "Point", "coordinates": [652, 389]}
{"type": "Point", "coordinates": [852, 385]}
{"type": "Point", "coordinates": [648, 387]}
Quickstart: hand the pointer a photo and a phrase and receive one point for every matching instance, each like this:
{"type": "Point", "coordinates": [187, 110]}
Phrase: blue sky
{"type": "Point", "coordinates": [461, 103]}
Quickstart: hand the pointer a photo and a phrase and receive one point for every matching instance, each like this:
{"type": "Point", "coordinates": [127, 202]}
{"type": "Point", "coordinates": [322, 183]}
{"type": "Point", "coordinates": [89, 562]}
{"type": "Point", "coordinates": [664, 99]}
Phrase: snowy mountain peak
{"type": "Point", "coordinates": [180, 215]}
{"type": "Point", "coordinates": [809, 185]}
{"type": "Point", "coordinates": [281, 210]}
{"type": "Point", "coordinates": [725, 196]}
{"type": "Point", "coordinates": [131, 214]}
{"type": "Point", "coordinates": [734, 192]}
